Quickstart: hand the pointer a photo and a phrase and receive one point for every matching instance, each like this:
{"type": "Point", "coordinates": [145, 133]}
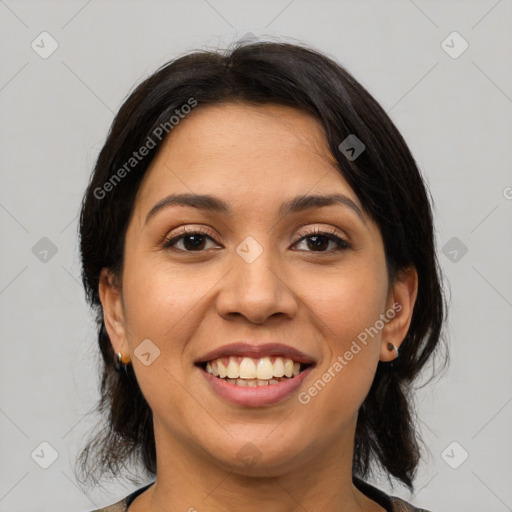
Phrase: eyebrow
{"type": "Point", "coordinates": [217, 205]}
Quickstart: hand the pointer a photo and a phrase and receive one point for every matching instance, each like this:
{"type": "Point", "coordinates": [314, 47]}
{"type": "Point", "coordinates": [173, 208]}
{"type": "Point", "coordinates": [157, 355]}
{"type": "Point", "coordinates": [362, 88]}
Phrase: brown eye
{"type": "Point", "coordinates": [193, 240]}
{"type": "Point", "coordinates": [318, 241]}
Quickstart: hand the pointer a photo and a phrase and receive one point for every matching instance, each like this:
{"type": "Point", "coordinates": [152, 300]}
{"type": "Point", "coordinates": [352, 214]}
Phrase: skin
{"type": "Point", "coordinates": [188, 303]}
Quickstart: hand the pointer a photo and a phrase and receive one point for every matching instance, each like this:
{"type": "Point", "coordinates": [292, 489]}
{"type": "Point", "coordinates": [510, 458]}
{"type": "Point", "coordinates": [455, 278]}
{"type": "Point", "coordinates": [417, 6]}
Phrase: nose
{"type": "Point", "coordinates": [256, 290]}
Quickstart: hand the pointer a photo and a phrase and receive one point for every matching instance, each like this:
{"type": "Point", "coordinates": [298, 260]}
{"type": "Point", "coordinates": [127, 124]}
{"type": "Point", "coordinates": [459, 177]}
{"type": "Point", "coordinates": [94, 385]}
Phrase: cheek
{"type": "Point", "coordinates": [346, 308]}
{"type": "Point", "coordinates": [349, 303]}
{"type": "Point", "coordinates": [164, 306]}
{"type": "Point", "coordinates": [160, 302]}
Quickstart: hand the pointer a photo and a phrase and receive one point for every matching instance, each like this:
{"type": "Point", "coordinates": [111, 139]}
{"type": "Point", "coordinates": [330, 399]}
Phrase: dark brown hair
{"type": "Point", "coordinates": [384, 177]}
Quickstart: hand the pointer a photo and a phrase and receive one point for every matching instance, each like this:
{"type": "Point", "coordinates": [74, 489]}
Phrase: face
{"type": "Point", "coordinates": [282, 281]}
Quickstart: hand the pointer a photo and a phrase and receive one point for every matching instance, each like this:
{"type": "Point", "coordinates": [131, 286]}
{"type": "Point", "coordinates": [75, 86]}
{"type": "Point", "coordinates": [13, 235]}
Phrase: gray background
{"type": "Point", "coordinates": [455, 113]}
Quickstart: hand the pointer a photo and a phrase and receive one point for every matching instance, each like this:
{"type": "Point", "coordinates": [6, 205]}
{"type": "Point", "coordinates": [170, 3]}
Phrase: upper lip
{"type": "Point", "coordinates": [257, 351]}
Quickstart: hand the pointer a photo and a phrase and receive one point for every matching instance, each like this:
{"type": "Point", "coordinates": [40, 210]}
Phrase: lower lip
{"type": "Point", "coordinates": [255, 396]}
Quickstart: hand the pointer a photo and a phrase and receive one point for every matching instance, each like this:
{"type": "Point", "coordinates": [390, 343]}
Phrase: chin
{"type": "Point", "coordinates": [259, 457]}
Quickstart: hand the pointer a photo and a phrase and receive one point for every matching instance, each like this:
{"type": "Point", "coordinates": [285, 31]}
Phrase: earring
{"type": "Point", "coordinates": [393, 347]}
{"type": "Point", "coordinates": [123, 359]}
{"type": "Point", "coordinates": [121, 362]}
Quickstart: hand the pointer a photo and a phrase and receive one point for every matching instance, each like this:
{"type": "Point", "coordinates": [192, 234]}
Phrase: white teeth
{"type": "Point", "coordinates": [247, 368]}
{"type": "Point", "coordinates": [278, 367]}
{"type": "Point", "coordinates": [222, 369]}
{"type": "Point", "coordinates": [233, 369]}
{"type": "Point", "coordinates": [253, 383]}
{"type": "Point", "coordinates": [250, 369]}
{"type": "Point", "coordinates": [264, 369]}
{"type": "Point", "coordinates": [288, 368]}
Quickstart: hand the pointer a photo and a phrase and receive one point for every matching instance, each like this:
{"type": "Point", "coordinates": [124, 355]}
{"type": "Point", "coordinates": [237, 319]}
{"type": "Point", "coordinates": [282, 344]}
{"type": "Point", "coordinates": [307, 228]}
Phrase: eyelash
{"type": "Point", "coordinates": [330, 235]}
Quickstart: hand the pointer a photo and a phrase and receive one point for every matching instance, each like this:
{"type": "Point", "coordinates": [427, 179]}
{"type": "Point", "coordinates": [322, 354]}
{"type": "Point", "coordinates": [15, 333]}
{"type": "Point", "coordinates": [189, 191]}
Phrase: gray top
{"type": "Point", "coordinates": [389, 503]}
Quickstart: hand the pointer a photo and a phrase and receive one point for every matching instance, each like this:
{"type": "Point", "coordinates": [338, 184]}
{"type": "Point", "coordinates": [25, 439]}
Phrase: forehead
{"type": "Point", "coordinates": [244, 151]}
{"type": "Point", "coordinates": [210, 122]}
{"type": "Point", "coordinates": [234, 131]}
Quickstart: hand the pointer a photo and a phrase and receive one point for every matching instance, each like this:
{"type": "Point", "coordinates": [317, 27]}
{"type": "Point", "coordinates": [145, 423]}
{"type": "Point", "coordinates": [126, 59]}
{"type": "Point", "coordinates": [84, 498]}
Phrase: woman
{"type": "Point", "coordinates": [258, 244]}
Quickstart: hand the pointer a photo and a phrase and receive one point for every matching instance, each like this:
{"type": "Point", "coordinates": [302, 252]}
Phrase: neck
{"type": "Point", "coordinates": [189, 480]}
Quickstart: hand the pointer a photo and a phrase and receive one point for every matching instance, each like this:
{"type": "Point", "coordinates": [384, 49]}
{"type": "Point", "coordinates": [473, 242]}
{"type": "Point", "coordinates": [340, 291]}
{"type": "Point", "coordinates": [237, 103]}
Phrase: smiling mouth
{"type": "Point", "coordinates": [254, 372]}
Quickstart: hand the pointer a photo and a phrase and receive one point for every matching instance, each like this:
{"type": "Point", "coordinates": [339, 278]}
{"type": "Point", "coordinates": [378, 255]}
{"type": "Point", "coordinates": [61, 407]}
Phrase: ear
{"type": "Point", "coordinates": [113, 315]}
{"type": "Point", "coordinates": [400, 305]}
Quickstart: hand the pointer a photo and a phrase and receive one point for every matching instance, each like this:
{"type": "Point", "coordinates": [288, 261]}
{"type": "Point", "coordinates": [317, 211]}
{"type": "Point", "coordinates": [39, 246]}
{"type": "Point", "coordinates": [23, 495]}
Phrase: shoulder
{"type": "Point", "coordinates": [122, 505]}
{"type": "Point", "coordinates": [400, 505]}
{"type": "Point", "coordinates": [389, 503]}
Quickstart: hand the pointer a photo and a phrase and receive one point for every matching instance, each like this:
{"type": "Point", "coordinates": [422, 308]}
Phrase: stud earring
{"type": "Point", "coordinates": [393, 347]}
{"type": "Point", "coordinates": [121, 362]}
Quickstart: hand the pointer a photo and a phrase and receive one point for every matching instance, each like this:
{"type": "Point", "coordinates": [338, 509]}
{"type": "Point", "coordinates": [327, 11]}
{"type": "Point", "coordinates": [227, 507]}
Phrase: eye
{"type": "Point", "coordinates": [321, 239]}
{"type": "Point", "coordinates": [194, 240]}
